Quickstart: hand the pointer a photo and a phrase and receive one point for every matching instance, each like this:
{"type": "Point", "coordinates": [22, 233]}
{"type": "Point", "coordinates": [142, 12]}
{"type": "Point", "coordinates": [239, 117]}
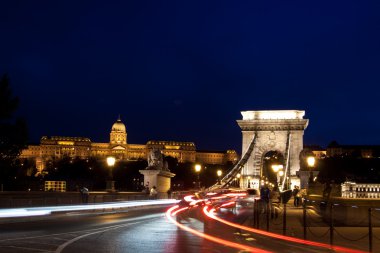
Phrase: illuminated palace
{"type": "Point", "coordinates": [57, 147]}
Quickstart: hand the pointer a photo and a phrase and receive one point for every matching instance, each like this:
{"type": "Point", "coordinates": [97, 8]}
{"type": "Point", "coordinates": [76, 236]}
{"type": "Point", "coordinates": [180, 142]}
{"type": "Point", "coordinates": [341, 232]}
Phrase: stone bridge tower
{"type": "Point", "coordinates": [280, 131]}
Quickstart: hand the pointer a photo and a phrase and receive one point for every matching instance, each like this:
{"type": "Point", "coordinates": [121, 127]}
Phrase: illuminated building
{"type": "Point", "coordinates": [56, 147]}
{"type": "Point", "coordinates": [364, 151]}
{"type": "Point", "coordinates": [360, 190]}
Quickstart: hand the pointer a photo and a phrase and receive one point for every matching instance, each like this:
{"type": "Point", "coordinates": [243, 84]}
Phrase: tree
{"type": "Point", "coordinates": [13, 133]}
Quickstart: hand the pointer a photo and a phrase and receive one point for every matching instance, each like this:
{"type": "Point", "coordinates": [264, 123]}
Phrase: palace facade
{"type": "Point", "coordinates": [364, 151]}
{"type": "Point", "coordinates": [56, 147]}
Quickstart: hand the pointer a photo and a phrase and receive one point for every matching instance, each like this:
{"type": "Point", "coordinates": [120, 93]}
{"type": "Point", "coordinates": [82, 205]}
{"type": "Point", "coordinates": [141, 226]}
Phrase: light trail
{"type": "Point", "coordinates": [211, 214]}
{"type": "Point", "coordinates": [169, 215]}
{"type": "Point", "coordinates": [232, 194]}
{"type": "Point", "coordinates": [7, 213]}
{"type": "Point", "coordinates": [189, 198]}
{"type": "Point", "coordinates": [228, 204]}
{"type": "Point", "coordinates": [179, 210]}
{"type": "Point", "coordinates": [39, 211]}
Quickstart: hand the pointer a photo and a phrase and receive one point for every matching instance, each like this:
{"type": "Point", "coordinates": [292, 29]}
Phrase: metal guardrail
{"type": "Point", "coordinates": [323, 220]}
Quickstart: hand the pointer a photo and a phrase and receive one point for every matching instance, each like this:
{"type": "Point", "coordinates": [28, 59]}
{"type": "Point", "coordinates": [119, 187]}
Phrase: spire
{"type": "Point", "coordinates": [118, 119]}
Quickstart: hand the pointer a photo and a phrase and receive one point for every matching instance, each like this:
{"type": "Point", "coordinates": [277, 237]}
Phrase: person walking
{"type": "Point", "coordinates": [169, 192]}
{"type": "Point", "coordinates": [84, 192]}
{"type": "Point", "coordinates": [153, 193]}
{"type": "Point", "coordinates": [296, 197]}
{"type": "Point", "coordinates": [264, 198]}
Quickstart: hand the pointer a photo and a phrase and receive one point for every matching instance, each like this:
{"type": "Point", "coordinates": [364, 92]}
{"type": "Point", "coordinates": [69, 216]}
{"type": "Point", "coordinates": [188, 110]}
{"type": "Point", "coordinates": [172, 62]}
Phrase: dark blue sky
{"type": "Point", "coordinates": [183, 71]}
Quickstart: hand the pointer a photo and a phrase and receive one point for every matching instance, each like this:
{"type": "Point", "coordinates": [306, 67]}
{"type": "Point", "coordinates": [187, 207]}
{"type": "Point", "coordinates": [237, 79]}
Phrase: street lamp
{"type": "Point", "coordinates": [310, 163]}
{"type": "Point", "coordinates": [277, 168]}
{"type": "Point", "coordinates": [219, 173]}
{"type": "Point", "coordinates": [238, 179]}
{"type": "Point", "coordinates": [280, 175]}
{"type": "Point", "coordinates": [110, 186]}
{"type": "Point", "coordinates": [198, 168]}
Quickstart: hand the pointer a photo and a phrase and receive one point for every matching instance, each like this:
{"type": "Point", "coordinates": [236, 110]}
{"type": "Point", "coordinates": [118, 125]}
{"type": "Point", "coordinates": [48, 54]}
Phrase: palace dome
{"type": "Point", "coordinates": [118, 126]}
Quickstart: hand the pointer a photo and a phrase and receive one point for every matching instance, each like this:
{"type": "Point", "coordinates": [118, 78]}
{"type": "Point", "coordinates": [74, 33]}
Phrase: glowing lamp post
{"type": "Point", "coordinates": [277, 168]}
{"type": "Point", "coordinates": [219, 173]}
{"type": "Point", "coordinates": [110, 184]}
{"type": "Point", "coordinates": [198, 168]}
{"type": "Point", "coordinates": [280, 174]}
{"type": "Point", "coordinates": [310, 164]}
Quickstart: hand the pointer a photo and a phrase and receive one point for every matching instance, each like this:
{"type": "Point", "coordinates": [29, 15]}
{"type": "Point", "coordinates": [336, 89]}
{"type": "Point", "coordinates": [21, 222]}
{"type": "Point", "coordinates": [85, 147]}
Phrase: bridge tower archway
{"type": "Point", "coordinates": [269, 159]}
{"type": "Point", "coordinates": [264, 132]}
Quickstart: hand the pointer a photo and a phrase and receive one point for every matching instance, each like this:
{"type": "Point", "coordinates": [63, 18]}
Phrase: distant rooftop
{"type": "Point", "coordinates": [65, 138]}
{"type": "Point", "coordinates": [178, 143]}
{"type": "Point", "coordinates": [335, 144]}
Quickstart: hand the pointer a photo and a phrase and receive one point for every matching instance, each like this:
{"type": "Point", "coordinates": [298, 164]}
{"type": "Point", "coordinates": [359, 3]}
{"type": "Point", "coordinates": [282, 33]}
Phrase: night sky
{"type": "Point", "coordinates": [183, 70]}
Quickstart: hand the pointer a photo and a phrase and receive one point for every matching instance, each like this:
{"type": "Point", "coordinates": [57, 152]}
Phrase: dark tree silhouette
{"type": "Point", "coordinates": [13, 134]}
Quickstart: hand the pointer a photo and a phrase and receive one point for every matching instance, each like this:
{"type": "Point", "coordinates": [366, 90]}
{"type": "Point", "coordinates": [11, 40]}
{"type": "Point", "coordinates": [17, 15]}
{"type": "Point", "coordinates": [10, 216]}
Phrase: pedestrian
{"type": "Point", "coordinates": [153, 193]}
{"type": "Point", "coordinates": [84, 194]}
{"type": "Point", "coordinates": [264, 198]}
{"type": "Point", "coordinates": [169, 193]}
{"type": "Point", "coordinates": [146, 190]}
{"type": "Point", "coordinates": [296, 196]}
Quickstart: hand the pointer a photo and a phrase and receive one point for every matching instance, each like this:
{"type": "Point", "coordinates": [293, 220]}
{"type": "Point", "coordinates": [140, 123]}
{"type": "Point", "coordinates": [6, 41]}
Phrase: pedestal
{"type": "Point", "coordinates": [159, 178]}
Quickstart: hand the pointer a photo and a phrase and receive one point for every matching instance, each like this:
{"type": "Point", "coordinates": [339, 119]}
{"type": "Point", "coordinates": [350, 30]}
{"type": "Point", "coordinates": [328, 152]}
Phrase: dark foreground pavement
{"type": "Point", "coordinates": [142, 230]}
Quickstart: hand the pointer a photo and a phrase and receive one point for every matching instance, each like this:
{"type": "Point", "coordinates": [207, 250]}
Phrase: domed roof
{"type": "Point", "coordinates": [118, 126]}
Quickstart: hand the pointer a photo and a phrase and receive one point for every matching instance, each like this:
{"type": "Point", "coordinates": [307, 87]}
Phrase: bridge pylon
{"type": "Point", "coordinates": [265, 131]}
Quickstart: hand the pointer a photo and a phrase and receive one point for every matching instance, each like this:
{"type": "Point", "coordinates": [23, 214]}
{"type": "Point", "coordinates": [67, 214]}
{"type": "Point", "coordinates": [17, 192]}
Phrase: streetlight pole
{"type": "Point", "coordinates": [219, 173]}
{"type": "Point", "coordinates": [280, 174]}
{"type": "Point", "coordinates": [310, 163]}
{"type": "Point", "coordinates": [277, 168]}
{"type": "Point", "coordinates": [198, 168]}
{"type": "Point", "coordinates": [110, 184]}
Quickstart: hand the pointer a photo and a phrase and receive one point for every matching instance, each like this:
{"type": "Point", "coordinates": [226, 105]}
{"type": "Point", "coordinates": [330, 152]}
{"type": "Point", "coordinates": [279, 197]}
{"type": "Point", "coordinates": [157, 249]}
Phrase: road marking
{"type": "Point", "coordinates": [77, 234]}
{"type": "Point", "coordinates": [82, 231]}
{"type": "Point", "coordinates": [63, 246]}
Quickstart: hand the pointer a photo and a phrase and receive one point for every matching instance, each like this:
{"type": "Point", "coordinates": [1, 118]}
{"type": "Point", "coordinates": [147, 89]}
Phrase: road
{"type": "Point", "coordinates": [132, 231]}
{"type": "Point", "coordinates": [146, 230]}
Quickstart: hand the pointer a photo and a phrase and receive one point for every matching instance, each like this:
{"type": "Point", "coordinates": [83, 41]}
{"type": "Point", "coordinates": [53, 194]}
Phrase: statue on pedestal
{"type": "Point", "coordinates": [156, 160]}
{"type": "Point", "coordinates": [157, 173]}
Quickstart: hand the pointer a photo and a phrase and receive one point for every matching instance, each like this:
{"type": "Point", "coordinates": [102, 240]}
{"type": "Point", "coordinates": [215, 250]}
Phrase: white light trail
{"type": "Point", "coordinates": [38, 211]}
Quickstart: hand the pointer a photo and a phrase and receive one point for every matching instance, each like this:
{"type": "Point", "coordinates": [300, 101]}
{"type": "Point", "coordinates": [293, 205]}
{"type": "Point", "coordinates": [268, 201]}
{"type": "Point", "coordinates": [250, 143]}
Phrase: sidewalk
{"type": "Point", "coordinates": [317, 230]}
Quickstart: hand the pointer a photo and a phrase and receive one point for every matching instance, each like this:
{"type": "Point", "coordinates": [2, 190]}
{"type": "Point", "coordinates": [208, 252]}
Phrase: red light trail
{"type": "Point", "coordinates": [278, 236]}
{"type": "Point", "coordinates": [171, 211]}
{"type": "Point", "coordinates": [211, 214]}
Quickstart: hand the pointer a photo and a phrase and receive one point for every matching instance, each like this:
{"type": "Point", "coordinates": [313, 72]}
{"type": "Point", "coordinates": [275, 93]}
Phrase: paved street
{"type": "Point", "coordinates": [146, 230]}
{"type": "Point", "coordinates": [134, 231]}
